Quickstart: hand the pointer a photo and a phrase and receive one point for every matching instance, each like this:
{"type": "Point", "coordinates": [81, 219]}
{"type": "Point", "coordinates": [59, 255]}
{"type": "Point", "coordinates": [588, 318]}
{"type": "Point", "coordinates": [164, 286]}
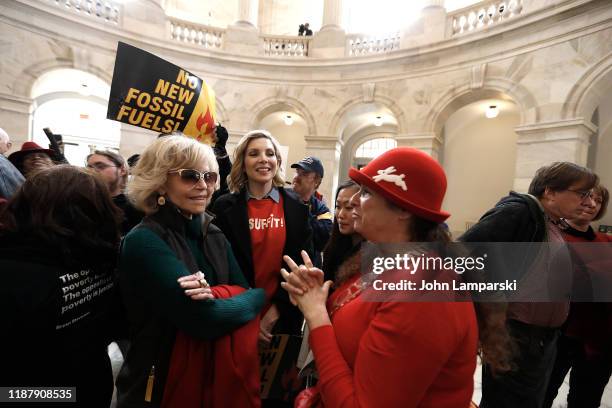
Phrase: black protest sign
{"type": "Point", "coordinates": [152, 93]}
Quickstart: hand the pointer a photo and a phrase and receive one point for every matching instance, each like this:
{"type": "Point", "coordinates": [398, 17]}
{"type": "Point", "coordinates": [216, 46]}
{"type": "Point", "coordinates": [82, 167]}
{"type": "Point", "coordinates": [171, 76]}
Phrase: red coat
{"type": "Point", "coordinates": [396, 354]}
{"type": "Point", "coordinates": [591, 322]}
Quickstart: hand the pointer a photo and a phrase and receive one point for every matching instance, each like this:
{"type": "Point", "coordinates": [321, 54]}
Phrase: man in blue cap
{"type": "Point", "coordinates": [308, 176]}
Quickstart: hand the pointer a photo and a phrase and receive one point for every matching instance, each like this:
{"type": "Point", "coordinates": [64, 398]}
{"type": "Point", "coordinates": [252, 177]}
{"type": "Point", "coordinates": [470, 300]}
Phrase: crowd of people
{"type": "Point", "coordinates": [193, 262]}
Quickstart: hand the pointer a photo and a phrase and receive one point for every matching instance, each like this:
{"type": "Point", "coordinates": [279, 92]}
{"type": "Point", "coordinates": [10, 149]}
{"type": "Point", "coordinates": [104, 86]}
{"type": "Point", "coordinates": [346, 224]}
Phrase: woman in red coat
{"type": "Point", "coordinates": [388, 353]}
{"type": "Point", "coordinates": [586, 340]}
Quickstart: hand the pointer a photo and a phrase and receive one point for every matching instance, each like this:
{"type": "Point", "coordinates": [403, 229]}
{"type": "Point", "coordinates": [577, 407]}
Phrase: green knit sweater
{"type": "Point", "coordinates": [151, 270]}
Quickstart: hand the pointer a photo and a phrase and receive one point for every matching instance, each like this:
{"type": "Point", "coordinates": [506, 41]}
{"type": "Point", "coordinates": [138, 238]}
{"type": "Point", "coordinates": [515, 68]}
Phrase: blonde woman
{"type": "Point", "coordinates": [171, 268]}
{"type": "Point", "coordinates": [263, 222]}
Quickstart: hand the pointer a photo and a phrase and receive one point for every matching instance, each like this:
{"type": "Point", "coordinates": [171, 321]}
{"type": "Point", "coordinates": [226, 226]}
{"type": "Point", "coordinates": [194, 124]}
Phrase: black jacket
{"type": "Point", "coordinates": [56, 321]}
{"type": "Point", "coordinates": [515, 218]}
{"type": "Point", "coordinates": [231, 216]}
{"type": "Point", "coordinates": [131, 215]}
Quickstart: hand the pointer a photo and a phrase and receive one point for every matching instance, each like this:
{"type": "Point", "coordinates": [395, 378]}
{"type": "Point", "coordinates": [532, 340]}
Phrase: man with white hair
{"type": "Point", "coordinates": [10, 178]}
{"type": "Point", "coordinates": [5, 142]}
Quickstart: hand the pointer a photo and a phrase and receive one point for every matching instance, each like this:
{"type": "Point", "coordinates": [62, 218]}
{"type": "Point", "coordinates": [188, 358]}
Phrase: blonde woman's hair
{"type": "Point", "coordinates": [237, 178]}
{"type": "Point", "coordinates": [166, 154]}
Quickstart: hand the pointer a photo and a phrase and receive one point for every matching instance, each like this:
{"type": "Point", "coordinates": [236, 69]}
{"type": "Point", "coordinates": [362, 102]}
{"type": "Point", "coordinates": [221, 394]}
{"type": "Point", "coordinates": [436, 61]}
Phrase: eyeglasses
{"type": "Point", "coordinates": [583, 194]}
{"type": "Point", "coordinates": [99, 166]}
{"type": "Point", "coordinates": [193, 176]}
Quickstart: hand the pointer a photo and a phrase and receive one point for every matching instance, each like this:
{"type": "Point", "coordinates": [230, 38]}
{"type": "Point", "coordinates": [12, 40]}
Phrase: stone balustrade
{"type": "Point", "coordinates": [286, 46]}
{"type": "Point", "coordinates": [103, 10]}
{"type": "Point", "coordinates": [197, 34]}
{"type": "Point", "coordinates": [358, 44]}
{"type": "Point", "coordinates": [469, 19]}
{"type": "Point", "coordinates": [481, 15]}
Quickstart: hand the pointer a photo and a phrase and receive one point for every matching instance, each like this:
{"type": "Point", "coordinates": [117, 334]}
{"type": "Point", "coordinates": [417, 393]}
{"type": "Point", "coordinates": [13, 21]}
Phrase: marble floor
{"type": "Point", "coordinates": [560, 401]}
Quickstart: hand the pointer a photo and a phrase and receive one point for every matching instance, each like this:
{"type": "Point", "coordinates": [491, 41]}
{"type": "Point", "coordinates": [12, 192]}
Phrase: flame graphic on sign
{"type": "Point", "coordinates": [205, 125]}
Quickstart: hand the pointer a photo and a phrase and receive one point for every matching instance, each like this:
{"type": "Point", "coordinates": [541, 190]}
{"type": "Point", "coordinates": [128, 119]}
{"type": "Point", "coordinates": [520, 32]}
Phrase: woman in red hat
{"type": "Point", "coordinates": [31, 158]}
{"type": "Point", "coordinates": [388, 353]}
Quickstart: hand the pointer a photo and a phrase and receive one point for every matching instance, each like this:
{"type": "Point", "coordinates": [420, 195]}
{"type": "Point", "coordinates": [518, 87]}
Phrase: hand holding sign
{"type": "Point", "coordinates": [155, 94]}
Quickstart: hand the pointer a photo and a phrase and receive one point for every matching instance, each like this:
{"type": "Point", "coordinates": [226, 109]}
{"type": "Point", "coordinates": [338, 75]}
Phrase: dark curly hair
{"type": "Point", "coordinates": [68, 210]}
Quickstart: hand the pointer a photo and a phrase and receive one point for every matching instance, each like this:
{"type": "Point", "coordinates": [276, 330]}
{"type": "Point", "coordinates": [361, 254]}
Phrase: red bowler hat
{"type": "Point", "coordinates": [27, 148]}
{"type": "Point", "coordinates": [409, 178]}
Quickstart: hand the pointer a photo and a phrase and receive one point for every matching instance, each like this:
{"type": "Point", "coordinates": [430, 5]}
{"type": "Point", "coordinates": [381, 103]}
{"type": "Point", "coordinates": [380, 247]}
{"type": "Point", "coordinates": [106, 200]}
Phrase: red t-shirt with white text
{"type": "Point", "coordinates": [268, 233]}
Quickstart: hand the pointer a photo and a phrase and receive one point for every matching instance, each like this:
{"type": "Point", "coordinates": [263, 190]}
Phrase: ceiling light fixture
{"type": "Point", "coordinates": [492, 111]}
{"type": "Point", "coordinates": [288, 119]}
{"type": "Point", "coordinates": [378, 121]}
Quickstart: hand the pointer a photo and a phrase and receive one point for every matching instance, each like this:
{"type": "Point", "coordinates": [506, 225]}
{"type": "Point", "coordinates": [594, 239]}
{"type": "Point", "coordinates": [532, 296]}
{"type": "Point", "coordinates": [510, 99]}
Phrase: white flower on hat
{"type": "Point", "coordinates": [385, 175]}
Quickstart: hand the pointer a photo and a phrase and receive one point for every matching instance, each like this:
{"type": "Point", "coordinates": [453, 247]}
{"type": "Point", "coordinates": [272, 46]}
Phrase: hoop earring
{"type": "Point", "coordinates": [161, 200]}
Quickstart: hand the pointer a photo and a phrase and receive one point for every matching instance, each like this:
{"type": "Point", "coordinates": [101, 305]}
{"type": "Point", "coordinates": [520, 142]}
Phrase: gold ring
{"type": "Point", "coordinates": [203, 283]}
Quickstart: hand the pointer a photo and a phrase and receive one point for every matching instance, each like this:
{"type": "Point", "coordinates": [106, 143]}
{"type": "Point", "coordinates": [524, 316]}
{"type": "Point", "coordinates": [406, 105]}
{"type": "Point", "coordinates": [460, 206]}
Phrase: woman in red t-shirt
{"type": "Point", "coordinates": [262, 222]}
{"type": "Point", "coordinates": [388, 353]}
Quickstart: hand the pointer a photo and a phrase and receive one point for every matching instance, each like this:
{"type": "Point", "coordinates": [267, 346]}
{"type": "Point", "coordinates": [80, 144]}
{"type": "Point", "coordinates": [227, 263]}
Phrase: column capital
{"type": "Point", "coordinates": [564, 129]}
{"type": "Point", "coordinates": [540, 144]}
{"type": "Point", "coordinates": [428, 142]}
{"type": "Point", "coordinates": [15, 103]}
{"type": "Point", "coordinates": [323, 142]}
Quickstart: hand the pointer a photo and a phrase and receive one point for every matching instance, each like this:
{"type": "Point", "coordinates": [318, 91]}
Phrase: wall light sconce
{"type": "Point", "coordinates": [492, 111]}
{"type": "Point", "coordinates": [288, 119]}
{"type": "Point", "coordinates": [378, 121]}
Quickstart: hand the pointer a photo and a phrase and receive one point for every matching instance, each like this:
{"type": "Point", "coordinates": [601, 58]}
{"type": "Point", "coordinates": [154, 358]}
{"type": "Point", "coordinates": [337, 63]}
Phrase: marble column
{"type": "Point", "coordinates": [144, 16]}
{"type": "Point", "coordinates": [540, 144]}
{"type": "Point", "coordinates": [242, 37]}
{"type": "Point", "coordinates": [330, 41]}
{"type": "Point", "coordinates": [430, 27]}
{"type": "Point", "coordinates": [15, 119]}
{"type": "Point", "coordinates": [327, 149]}
{"type": "Point", "coordinates": [247, 13]}
{"type": "Point", "coordinates": [332, 15]}
{"type": "Point", "coordinates": [430, 143]}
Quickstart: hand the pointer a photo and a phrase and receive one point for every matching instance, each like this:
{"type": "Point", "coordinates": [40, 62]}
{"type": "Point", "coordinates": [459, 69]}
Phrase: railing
{"type": "Point", "coordinates": [481, 15]}
{"type": "Point", "coordinates": [286, 46]}
{"type": "Point", "coordinates": [198, 34]}
{"type": "Point", "coordinates": [104, 10]}
{"type": "Point", "coordinates": [357, 44]}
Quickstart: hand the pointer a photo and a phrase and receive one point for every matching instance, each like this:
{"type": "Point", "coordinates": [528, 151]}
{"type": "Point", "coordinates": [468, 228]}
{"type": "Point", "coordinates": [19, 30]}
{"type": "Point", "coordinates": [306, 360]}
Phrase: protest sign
{"type": "Point", "coordinates": [152, 93]}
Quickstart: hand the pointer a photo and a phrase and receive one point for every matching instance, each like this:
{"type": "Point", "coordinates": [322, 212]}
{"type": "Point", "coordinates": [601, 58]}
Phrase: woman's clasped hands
{"type": "Point", "coordinates": [307, 290]}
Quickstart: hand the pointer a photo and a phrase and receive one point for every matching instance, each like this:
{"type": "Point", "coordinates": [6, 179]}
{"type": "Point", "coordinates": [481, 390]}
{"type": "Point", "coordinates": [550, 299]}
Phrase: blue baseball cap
{"type": "Point", "coordinates": [309, 164]}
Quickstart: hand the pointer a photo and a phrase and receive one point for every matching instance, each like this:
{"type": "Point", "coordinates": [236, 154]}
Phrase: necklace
{"type": "Point", "coordinates": [349, 294]}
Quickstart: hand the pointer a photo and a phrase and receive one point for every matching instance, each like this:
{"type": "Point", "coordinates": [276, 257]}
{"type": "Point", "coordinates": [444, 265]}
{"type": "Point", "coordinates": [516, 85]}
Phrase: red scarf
{"type": "Point", "coordinates": [217, 373]}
